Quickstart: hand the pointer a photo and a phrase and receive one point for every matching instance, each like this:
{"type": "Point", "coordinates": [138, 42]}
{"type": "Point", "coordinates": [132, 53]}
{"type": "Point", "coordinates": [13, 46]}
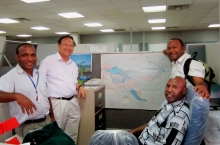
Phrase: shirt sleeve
{"type": "Point", "coordinates": [196, 69]}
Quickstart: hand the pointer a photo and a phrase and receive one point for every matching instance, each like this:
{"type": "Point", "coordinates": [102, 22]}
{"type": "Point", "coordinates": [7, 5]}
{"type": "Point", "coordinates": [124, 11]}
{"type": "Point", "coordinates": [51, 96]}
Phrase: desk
{"type": "Point", "coordinates": [214, 103]}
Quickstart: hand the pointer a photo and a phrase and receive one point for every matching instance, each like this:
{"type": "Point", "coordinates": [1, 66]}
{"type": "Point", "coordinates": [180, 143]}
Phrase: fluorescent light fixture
{"type": "Point", "coordinates": [40, 28]}
{"type": "Point", "coordinates": [62, 33]}
{"type": "Point", "coordinates": [107, 30]}
{"type": "Point", "coordinates": [24, 35]}
{"type": "Point", "coordinates": [157, 21]}
{"type": "Point", "coordinates": [93, 24]}
{"type": "Point", "coordinates": [34, 1]}
{"type": "Point", "coordinates": [2, 32]}
{"type": "Point", "coordinates": [214, 25]}
{"type": "Point", "coordinates": [157, 28]}
{"type": "Point", "coordinates": [71, 15]}
{"type": "Point", "coordinates": [154, 9]}
{"type": "Point", "coordinates": [28, 41]}
{"type": "Point", "coordinates": [7, 21]}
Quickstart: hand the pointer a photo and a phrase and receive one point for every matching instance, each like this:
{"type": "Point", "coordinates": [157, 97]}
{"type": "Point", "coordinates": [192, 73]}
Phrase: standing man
{"type": "Point", "coordinates": [25, 88]}
{"type": "Point", "coordinates": [61, 73]}
{"type": "Point", "coordinates": [177, 55]}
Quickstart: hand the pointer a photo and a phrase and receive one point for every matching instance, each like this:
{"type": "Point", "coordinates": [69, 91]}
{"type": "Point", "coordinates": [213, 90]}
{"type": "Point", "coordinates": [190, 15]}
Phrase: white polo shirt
{"type": "Point", "coordinates": [196, 68]}
{"type": "Point", "coordinates": [61, 76]}
{"type": "Point", "coordinates": [17, 80]}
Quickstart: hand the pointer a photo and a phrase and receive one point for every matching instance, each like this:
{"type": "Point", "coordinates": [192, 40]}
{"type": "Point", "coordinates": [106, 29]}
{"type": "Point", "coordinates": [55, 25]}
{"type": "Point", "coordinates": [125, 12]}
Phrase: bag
{"type": "Point", "coordinates": [50, 134]}
{"type": "Point", "coordinates": [209, 73]}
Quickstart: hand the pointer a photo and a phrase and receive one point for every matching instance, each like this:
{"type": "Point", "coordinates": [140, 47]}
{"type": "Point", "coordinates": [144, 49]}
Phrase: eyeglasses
{"type": "Point", "coordinates": [66, 45]}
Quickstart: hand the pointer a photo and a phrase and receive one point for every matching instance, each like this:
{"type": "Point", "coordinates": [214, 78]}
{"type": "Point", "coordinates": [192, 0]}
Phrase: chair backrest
{"type": "Point", "coordinates": [199, 112]}
{"type": "Point", "coordinates": [113, 137]}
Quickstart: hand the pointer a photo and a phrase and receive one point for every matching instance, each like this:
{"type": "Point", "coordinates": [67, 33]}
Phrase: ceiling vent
{"type": "Point", "coordinates": [172, 27]}
{"type": "Point", "coordinates": [119, 30]}
{"type": "Point", "coordinates": [21, 19]}
{"type": "Point", "coordinates": [178, 7]}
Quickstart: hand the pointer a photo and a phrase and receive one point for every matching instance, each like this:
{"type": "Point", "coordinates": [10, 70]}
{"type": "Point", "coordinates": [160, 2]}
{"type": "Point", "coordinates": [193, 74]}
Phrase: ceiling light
{"type": "Point", "coordinates": [28, 41]}
{"type": "Point", "coordinates": [214, 25]}
{"type": "Point", "coordinates": [71, 15]}
{"type": "Point", "coordinates": [154, 9]}
{"type": "Point", "coordinates": [93, 24]}
{"type": "Point", "coordinates": [2, 32]}
{"type": "Point", "coordinates": [34, 1]}
{"type": "Point", "coordinates": [62, 33]}
{"type": "Point", "coordinates": [40, 28]}
{"type": "Point", "coordinates": [157, 28]}
{"type": "Point", "coordinates": [107, 30]}
{"type": "Point", "coordinates": [24, 35]}
{"type": "Point", "coordinates": [7, 21]}
{"type": "Point", "coordinates": [157, 21]}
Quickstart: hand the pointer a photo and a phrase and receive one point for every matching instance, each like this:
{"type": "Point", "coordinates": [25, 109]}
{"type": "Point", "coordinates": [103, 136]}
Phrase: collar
{"type": "Point", "coordinates": [20, 70]}
{"type": "Point", "coordinates": [180, 59]}
{"type": "Point", "coordinates": [174, 104]}
{"type": "Point", "coordinates": [59, 58]}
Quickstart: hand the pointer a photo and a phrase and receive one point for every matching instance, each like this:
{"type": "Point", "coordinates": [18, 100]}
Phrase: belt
{"type": "Point", "coordinates": [35, 121]}
{"type": "Point", "coordinates": [63, 98]}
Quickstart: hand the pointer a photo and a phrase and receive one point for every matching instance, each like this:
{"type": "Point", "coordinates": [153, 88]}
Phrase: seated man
{"type": "Point", "coordinates": [169, 124]}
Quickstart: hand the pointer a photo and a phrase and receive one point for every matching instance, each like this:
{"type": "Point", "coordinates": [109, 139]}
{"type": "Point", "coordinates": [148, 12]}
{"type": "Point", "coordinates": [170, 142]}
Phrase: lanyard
{"type": "Point", "coordinates": [35, 86]}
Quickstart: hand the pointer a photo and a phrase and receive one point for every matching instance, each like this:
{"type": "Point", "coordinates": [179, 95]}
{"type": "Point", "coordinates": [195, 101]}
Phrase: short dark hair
{"type": "Point", "coordinates": [66, 36]}
{"type": "Point", "coordinates": [181, 42]}
{"type": "Point", "coordinates": [22, 44]}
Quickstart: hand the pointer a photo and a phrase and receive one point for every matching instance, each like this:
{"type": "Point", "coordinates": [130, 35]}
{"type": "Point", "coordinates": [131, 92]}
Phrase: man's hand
{"type": "Point", "coordinates": [202, 91]}
{"type": "Point", "coordinates": [201, 87]}
{"type": "Point", "coordinates": [26, 104]}
{"type": "Point", "coordinates": [82, 93]}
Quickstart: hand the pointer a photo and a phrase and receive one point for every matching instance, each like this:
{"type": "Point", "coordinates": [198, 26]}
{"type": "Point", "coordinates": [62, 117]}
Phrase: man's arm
{"type": "Point", "coordinates": [25, 103]}
{"type": "Point", "coordinates": [51, 111]}
{"type": "Point", "coordinates": [201, 87]}
{"type": "Point", "coordinates": [81, 91]}
{"type": "Point", "coordinates": [139, 129]}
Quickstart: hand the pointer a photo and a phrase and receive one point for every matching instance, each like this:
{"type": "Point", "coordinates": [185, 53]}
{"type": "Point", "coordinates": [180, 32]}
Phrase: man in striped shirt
{"type": "Point", "coordinates": [169, 124]}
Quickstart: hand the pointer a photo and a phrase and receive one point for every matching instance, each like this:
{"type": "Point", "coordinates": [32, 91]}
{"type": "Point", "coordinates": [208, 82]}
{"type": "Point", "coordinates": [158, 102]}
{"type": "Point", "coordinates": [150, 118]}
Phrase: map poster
{"type": "Point", "coordinates": [135, 80]}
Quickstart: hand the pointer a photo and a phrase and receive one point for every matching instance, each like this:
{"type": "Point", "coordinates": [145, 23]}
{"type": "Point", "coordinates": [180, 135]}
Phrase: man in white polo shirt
{"type": "Point", "coordinates": [177, 55]}
{"type": "Point", "coordinates": [25, 88]}
{"type": "Point", "coordinates": [61, 73]}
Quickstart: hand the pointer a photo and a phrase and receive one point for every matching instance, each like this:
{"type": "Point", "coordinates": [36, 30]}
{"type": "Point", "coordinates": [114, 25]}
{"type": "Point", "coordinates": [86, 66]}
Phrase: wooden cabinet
{"type": "Point", "coordinates": [92, 113]}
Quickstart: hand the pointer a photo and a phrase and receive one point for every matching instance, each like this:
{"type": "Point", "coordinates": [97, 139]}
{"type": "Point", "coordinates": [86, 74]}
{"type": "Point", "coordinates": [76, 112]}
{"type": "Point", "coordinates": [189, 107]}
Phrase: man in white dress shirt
{"type": "Point", "coordinates": [61, 73]}
{"type": "Point", "coordinates": [25, 88]}
{"type": "Point", "coordinates": [176, 52]}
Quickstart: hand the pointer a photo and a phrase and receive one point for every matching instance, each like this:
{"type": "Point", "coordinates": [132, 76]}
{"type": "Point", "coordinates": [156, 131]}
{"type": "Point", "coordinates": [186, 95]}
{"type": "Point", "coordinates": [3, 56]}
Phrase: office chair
{"type": "Point", "coordinates": [199, 112]}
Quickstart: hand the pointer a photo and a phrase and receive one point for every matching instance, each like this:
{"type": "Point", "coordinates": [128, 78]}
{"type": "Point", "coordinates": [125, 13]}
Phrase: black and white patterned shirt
{"type": "Point", "coordinates": [168, 126]}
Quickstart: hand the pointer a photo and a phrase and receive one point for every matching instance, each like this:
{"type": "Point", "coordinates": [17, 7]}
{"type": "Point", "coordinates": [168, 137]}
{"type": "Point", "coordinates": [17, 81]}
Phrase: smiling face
{"type": "Point", "coordinates": [26, 58]}
{"type": "Point", "coordinates": [66, 47]}
{"type": "Point", "coordinates": [175, 50]}
{"type": "Point", "coordinates": [175, 89]}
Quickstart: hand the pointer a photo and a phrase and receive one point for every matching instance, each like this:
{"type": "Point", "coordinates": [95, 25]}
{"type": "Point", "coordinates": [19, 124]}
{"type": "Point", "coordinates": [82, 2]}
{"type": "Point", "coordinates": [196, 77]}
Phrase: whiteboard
{"type": "Point", "coordinates": [157, 47]}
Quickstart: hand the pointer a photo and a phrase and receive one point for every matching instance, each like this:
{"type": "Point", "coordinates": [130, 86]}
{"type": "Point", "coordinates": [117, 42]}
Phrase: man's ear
{"type": "Point", "coordinates": [185, 91]}
{"type": "Point", "coordinates": [16, 57]}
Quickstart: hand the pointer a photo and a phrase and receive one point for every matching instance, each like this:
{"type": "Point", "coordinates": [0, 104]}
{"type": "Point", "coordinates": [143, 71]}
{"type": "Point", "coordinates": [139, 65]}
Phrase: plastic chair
{"type": "Point", "coordinates": [113, 137]}
{"type": "Point", "coordinates": [199, 112]}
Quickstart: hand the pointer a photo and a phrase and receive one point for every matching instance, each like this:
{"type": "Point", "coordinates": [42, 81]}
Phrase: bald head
{"type": "Point", "coordinates": [175, 89]}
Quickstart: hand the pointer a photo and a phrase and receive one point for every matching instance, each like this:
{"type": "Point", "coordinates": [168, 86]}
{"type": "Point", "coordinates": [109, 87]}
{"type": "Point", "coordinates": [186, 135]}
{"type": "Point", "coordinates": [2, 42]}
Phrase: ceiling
{"type": "Point", "coordinates": [112, 14]}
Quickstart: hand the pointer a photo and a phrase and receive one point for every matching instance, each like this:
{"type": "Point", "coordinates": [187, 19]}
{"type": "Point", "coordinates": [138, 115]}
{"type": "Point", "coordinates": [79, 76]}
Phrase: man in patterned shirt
{"type": "Point", "coordinates": [169, 124]}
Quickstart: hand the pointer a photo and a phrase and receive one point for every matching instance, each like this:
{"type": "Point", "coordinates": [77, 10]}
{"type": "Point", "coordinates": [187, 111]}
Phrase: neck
{"type": "Point", "coordinates": [30, 72]}
{"type": "Point", "coordinates": [65, 58]}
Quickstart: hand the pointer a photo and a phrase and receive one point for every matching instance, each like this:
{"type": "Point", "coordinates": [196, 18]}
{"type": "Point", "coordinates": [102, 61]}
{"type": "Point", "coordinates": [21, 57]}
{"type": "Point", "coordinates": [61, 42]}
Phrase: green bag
{"type": "Point", "coordinates": [50, 134]}
{"type": "Point", "coordinates": [209, 73]}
